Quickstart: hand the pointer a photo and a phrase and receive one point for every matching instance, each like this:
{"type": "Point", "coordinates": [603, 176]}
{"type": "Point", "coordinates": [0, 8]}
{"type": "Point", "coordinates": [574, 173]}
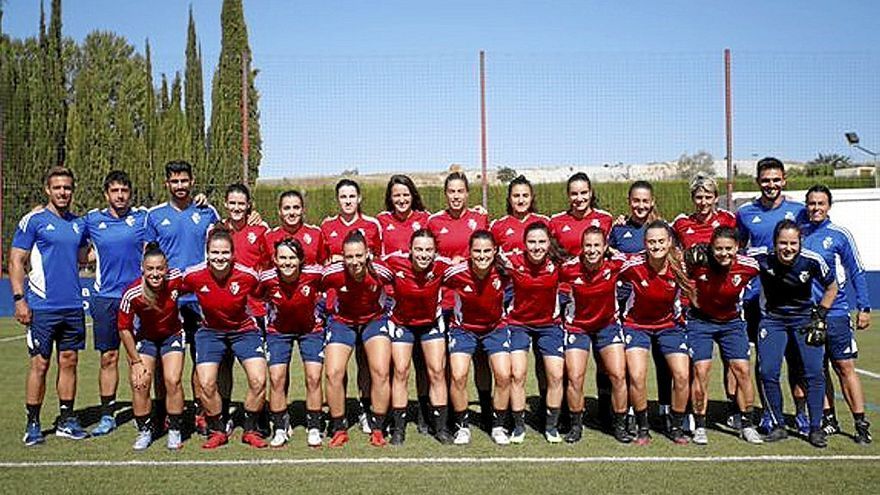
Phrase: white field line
{"type": "Point", "coordinates": [868, 373]}
{"type": "Point", "coordinates": [12, 339]}
{"type": "Point", "coordinates": [441, 460]}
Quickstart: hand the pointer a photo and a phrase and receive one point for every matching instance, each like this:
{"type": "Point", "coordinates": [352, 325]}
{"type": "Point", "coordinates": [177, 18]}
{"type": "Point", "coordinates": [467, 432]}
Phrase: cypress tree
{"type": "Point", "coordinates": [56, 90]}
{"type": "Point", "coordinates": [194, 97]}
{"type": "Point", "coordinates": [225, 146]}
{"type": "Point", "coordinates": [155, 174]}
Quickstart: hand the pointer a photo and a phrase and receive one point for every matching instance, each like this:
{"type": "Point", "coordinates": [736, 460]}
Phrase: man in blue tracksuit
{"type": "Point", "coordinates": [755, 222]}
{"type": "Point", "coordinates": [787, 276]}
{"type": "Point", "coordinates": [837, 247]}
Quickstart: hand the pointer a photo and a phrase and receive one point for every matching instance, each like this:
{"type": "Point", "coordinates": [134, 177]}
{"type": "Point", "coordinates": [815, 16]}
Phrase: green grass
{"type": "Point", "coordinates": [725, 477]}
{"type": "Point", "coordinates": [673, 197]}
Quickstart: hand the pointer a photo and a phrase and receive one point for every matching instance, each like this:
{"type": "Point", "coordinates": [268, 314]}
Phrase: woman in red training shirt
{"type": "Point", "coordinates": [152, 299]}
{"type": "Point", "coordinates": [357, 316]}
{"type": "Point", "coordinates": [533, 315]}
{"type": "Point", "coordinates": [715, 316]}
{"type": "Point", "coordinates": [653, 318]}
{"type": "Point", "coordinates": [591, 320]}
{"type": "Point", "coordinates": [223, 289]}
{"type": "Point", "coordinates": [291, 213]}
{"type": "Point", "coordinates": [404, 214]}
{"type": "Point", "coordinates": [292, 290]}
{"type": "Point", "coordinates": [416, 317]}
{"type": "Point", "coordinates": [478, 322]}
{"type": "Point", "coordinates": [522, 210]}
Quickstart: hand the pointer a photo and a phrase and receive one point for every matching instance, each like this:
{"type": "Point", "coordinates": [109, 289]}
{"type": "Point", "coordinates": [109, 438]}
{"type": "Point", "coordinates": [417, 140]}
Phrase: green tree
{"type": "Point", "coordinates": [174, 142]}
{"type": "Point", "coordinates": [194, 97]}
{"type": "Point", "coordinates": [154, 173]}
{"type": "Point", "coordinates": [689, 166]}
{"type": "Point", "coordinates": [106, 120]}
{"type": "Point", "coordinates": [225, 145]}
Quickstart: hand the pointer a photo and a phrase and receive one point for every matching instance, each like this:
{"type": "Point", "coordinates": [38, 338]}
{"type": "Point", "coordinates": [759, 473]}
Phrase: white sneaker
{"type": "Point", "coordinates": [143, 440]}
{"type": "Point", "coordinates": [700, 437]}
{"type": "Point", "coordinates": [551, 435]}
{"type": "Point", "coordinates": [462, 436]}
{"type": "Point", "coordinates": [313, 438]}
{"type": "Point", "coordinates": [175, 440]}
{"type": "Point", "coordinates": [751, 435]}
{"type": "Point", "coordinates": [279, 439]}
{"type": "Point", "coordinates": [499, 436]}
{"type": "Point", "coordinates": [365, 423]}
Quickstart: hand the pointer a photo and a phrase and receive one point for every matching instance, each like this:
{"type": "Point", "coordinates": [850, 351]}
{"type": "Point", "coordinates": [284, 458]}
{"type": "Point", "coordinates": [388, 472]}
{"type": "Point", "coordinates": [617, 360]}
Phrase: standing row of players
{"type": "Point", "coordinates": [498, 289]}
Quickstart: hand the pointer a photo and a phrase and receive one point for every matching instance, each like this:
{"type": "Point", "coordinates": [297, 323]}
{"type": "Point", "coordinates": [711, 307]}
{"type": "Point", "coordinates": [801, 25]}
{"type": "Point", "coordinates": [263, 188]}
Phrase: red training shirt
{"type": "Point", "coordinates": [335, 230]}
{"type": "Point", "coordinates": [356, 302]}
{"type": "Point", "coordinates": [309, 237]}
{"type": "Point", "coordinates": [535, 301]}
{"type": "Point", "coordinates": [292, 306]}
{"type": "Point", "coordinates": [509, 231]}
{"type": "Point", "coordinates": [691, 230]}
{"type": "Point", "coordinates": [479, 304]}
{"type": "Point", "coordinates": [224, 302]}
{"type": "Point", "coordinates": [417, 295]}
{"type": "Point", "coordinates": [396, 233]}
{"type": "Point", "coordinates": [593, 294]}
{"type": "Point", "coordinates": [719, 292]}
{"type": "Point", "coordinates": [158, 321]}
{"type": "Point", "coordinates": [655, 300]}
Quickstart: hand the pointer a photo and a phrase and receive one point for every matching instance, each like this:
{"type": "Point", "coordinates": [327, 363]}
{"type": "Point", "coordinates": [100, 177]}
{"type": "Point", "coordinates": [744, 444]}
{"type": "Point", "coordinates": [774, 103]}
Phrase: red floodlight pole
{"type": "Point", "coordinates": [245, 137]}
{"type": "Point", "coordinates": [483, 134]}
{"type": "Point", "coordinates": [728, 121]}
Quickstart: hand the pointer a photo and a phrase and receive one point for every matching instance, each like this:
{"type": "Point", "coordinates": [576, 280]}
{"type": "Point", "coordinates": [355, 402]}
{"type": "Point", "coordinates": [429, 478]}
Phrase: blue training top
{"type": "Point", "coordinates": [181, 234]}
{"type": "Point", "coordinates": [54, 243]}
{"type": "Point", "coordinates": [118, 243]}
{"type": "Point", "coordinates": [756, 223]}
{"type": "Point", "coordinates": [787, 290]}
{"type": "Point", "coordinates": [627, 238]}
{"type": "Point", "coordinates": [838, 248]}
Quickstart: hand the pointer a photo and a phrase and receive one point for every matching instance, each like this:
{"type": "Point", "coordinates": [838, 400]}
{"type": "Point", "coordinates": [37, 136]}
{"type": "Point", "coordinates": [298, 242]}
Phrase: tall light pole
{"type": "Point", "coordinates": [853, 139]}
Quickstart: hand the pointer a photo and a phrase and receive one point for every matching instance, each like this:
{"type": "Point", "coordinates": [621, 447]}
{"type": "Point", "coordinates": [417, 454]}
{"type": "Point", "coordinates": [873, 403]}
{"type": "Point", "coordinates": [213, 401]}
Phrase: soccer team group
{"type": "Point", "coordinates": [434, 293]}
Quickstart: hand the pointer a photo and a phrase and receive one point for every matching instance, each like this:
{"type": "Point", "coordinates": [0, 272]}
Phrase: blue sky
{"type": "Point", "coordinates": [391, 86]}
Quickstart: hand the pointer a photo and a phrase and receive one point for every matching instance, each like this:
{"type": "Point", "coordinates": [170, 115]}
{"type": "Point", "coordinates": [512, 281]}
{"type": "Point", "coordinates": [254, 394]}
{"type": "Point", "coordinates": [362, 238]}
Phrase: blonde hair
{"type": "Point", "coordinates": [705, 183]}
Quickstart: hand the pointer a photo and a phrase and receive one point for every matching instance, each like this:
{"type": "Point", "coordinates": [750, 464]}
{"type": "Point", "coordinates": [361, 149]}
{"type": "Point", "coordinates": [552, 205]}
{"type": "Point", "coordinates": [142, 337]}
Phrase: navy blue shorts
{"type": "Point", "coordinates": [104, 311]}
{"type": "Point", "coordinates": [406, 334]}
{"type": "Point", "coordinates": [66, 328]}
{"type": "Point", "coordinates": [670, 340]}
{"type": "Point", "coordinates": [466, 342]}
{"type": "Point", "coordinates": [549, 339]}
{"type": "Point", "coordinates": [156, 348]}
{"type": "Point", "coordinates": [212, 345]}
{"type": "Point", "coordinates": [731, 337]}
{"type": "Point", "coordinates": [610, 335]}
{"type": "Point", "coordinates": [340, 333]}
{"type": "Point", "coordinates": [841, 344]}
{"type": "Point", "coordinates": [280, 346]}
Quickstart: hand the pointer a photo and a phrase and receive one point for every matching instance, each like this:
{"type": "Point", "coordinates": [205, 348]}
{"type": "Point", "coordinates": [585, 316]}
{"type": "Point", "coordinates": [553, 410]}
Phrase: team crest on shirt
{"type": "Point", "coordinates": [174, 295]}
{"type": "Point", "coordinates": [472, 224]}
{"type": "Point", "coordinates": [827, 242]}
{"type": "Point", "coordinates": [496, 284]}
{"type": "Point", "coordinates": [804, 276]}
{"type": "Point", "coordinates": [715, 224]}
{"type": "Point", "coordinates": [307, 238]}
{"type": "Point", "coordinates": [306, 290]}
{"type": "Point", "coordinates": [595, 222]}
{"type": "Point", "coordinates": [362, 232]}
{"type": "Point", "coordinates": [75, 228]}
{"type": "Point", "coordinates": [551, 268]}
{"type": "Point", "coordinates": [252, 237]}
{"type": "Point", "coordinates": [400, 274]}
{"type": "Point", "coordinates": [129, 220]}
{"type": "Point", "coordinates": [429, 276]}
{"type": "Point", "coordinates": [789, 215]}
{"type": "Point", "coordinates": [736, 280]}
{"type": "Point", "coordinates": [671, 283]}
{"type": "Point", "coordinates": [196, 218]}
{"type": "Point", "coordinates": [416, 226]}
{"type": "Point", "coordinates": [644, 283]}
{"type": "Point", "coordinates": [607, 274]}
{"type": "Point", "coordinates": [572, 338]}
{"type": "Point", "coordinates": [234, 288]}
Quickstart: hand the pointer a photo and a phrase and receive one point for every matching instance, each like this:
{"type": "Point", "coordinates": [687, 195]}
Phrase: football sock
{"type": "Point", "coordinates": [108, 405]}
{"type": "Point", "coordinates": [33, 412]}
{"type": "Point", "coordinates": [65, 409]}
